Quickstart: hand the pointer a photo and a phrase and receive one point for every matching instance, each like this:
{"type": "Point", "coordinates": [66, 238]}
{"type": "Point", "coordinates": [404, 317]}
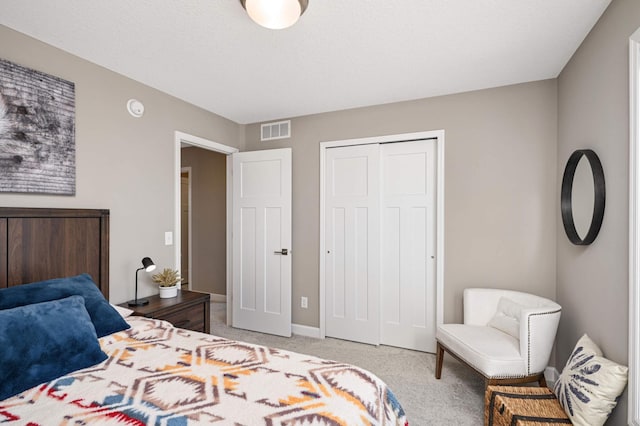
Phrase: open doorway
{"type": "Point", "coordinates": [185, 226]}
{"type": "Point", "coordinates": [186, 141]}
{"type": "Point", "coordinates": [203, 218]}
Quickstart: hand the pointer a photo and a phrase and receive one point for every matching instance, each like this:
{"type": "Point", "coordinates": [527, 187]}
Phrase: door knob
{"type": "Point", "coordinates": [283, 252]}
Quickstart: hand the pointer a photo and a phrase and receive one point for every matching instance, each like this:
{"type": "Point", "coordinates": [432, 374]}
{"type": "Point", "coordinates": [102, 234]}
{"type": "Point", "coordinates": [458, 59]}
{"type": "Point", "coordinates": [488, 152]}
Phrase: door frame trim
{"type": "Point", "coordinates": [438, 135]}
{"type": "Point", "coordinates": [634, 229]}
{"type": "Point", "coordinates": [185, 138]}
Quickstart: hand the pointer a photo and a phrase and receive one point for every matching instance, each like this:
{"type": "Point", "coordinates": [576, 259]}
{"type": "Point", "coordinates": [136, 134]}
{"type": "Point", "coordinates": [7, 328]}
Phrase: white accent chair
{"type": "Point", "coordinates": [520, 354]}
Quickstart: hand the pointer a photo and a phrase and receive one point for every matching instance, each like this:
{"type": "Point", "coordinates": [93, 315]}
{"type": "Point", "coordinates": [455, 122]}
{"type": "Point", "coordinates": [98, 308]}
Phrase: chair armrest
{"type": "Point", "coordinates": [538, 327]}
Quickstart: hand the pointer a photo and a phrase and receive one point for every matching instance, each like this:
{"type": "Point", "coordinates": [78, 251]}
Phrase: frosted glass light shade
{"type": "Point", "coordinates": [275, 14]}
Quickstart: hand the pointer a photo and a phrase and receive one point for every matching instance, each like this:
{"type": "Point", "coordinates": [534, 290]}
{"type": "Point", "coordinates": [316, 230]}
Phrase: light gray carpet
{"type": "Point", "coordinates": [456, 399]}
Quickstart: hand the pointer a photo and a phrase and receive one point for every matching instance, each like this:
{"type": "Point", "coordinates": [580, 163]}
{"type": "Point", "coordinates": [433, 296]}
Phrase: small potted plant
{"type": "Point", "coordinates": [168, 281]}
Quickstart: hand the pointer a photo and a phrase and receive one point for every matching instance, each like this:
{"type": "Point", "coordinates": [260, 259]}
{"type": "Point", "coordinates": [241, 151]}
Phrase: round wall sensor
{"type": "Point", "coordinates": [135, 108]}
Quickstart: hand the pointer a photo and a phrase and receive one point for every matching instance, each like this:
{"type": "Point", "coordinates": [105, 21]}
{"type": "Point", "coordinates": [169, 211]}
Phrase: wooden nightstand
{"type": "Point", "coordinates": [190, 310]}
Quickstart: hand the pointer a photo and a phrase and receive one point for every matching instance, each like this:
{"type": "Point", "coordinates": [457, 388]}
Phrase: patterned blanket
{"type": "Point", "coordinates": [160, 375]}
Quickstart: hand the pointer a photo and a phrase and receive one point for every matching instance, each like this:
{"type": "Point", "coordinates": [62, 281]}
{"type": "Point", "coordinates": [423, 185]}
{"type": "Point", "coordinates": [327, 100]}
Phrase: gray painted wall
{"type": "Point", "coordinates": [593, 110]}
{"type": "Point", "coordinates": [505, 151]}
{"type": "Point", "coordinates": [500, 186]}
{"type": "Point", "coordinates": [209, 223]}
{"type": "Point", "coordinates": [123, 163]}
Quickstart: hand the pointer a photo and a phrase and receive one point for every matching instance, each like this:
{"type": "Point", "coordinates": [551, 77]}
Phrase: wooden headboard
{"type": "Point", "coordinates": [38, 244]}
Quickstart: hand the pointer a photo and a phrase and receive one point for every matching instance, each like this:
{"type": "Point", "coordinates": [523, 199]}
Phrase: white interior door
{"type": "Point", "coordinates": [352, 243]}
{"type": "Point", "coordinates": [408, 241]}
{"type": "Point", "coordinates": [262, 241]}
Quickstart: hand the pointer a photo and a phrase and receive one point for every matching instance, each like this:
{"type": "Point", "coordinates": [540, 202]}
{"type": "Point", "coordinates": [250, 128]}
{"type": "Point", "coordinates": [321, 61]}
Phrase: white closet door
{"type": "Point", "coordinates": [408, 241]}
{"type": "Point", "coordinates": [352, 243]}
{"type": "Point", "coordinates": [262, 240]}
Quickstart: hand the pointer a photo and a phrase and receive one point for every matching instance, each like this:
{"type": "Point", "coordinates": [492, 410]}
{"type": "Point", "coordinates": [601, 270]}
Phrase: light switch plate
{"type": "Point", "coordinates": [168, 238]}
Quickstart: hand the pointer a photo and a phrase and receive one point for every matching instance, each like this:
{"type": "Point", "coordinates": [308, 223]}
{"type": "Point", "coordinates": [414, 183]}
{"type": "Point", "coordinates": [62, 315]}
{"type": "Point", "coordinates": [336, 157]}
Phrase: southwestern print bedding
{"type": "Point", "coordinates": [156, 374]}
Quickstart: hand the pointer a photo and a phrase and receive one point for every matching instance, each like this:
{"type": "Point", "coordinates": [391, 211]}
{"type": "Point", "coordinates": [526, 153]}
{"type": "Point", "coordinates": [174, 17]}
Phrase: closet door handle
{"type": "Point", "coordinates": [283, 252]}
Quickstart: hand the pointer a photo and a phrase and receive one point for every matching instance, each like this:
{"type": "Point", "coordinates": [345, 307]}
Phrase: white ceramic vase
{"type": "Point", "coordinates": [167, 292]}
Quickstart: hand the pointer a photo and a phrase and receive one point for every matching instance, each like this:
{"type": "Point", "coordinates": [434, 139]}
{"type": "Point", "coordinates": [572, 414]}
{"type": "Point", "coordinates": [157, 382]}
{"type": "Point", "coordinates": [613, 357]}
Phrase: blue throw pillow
{"type": "Point", "coordinates": [44, 341]}
{"type": "Point", "coordinates": [105, 319]}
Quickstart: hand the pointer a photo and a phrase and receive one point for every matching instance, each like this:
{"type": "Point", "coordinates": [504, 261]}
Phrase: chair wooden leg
{"type": "Point", "coordinates": [439, 358]}
{"type": "Point", "coordinates": [542, 382]}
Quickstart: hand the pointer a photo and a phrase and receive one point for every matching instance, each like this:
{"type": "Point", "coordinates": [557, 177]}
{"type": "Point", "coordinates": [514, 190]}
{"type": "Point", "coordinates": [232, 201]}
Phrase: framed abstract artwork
{"type": "Point", "coordinates": [37, 132]}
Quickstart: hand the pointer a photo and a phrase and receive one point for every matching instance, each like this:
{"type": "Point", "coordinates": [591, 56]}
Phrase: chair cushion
{"type": "Point", "coordinates": [490, 351]}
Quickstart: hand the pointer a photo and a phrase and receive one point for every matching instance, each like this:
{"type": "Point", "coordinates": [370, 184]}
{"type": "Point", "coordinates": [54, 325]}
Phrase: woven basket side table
{"type": "Point", "coordinates": [522, 406]}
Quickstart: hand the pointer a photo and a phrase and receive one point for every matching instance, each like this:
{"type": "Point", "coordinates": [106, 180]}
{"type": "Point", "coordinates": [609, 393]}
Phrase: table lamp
{"type": "Point", "coordinates": [148, 266]}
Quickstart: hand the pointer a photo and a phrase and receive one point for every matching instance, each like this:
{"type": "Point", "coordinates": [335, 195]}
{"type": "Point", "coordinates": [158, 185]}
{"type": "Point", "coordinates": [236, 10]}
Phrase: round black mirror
{"type": "Point", "coordinates": [582, 197]}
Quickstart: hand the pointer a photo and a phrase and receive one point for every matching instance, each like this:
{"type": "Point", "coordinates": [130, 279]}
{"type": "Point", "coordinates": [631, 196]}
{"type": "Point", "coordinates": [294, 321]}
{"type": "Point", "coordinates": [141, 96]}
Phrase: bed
{"type": "Point", "coordinates": [136, 370]}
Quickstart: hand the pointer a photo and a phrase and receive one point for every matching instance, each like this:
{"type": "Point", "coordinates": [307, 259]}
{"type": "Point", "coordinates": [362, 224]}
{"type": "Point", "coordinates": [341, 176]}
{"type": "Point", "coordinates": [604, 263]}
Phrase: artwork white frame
{"type": "Point", "coordinates": [634, 230]}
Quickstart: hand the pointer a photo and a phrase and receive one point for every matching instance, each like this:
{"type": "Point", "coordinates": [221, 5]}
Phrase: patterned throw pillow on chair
{"type": "Point", "coordinates": [590, 384]}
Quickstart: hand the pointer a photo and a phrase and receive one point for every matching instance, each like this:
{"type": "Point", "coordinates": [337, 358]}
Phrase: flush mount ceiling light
{"type": "Point", "coordinates": [275, 14]}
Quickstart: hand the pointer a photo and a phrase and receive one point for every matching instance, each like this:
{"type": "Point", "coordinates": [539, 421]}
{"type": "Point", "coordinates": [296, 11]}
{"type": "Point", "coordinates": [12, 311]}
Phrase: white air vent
{"type": "Point", "coordinates": [278, 130]}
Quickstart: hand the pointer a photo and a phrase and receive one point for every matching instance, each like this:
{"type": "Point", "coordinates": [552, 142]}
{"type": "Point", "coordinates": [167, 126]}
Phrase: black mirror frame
{"type": "Point", "coordinates": [599, 197]}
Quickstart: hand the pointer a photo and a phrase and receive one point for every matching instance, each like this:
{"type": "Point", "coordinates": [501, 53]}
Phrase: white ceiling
{"type": "Point", "coordinates": [341, 54]}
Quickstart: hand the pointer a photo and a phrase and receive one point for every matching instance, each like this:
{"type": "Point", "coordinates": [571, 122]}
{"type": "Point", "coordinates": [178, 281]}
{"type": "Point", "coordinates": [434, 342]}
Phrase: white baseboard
{"type": "Point", "coordinates": [219, 298]}
{"type": "Point", "coordinates": [305, 330]}
{"type": "Point", "coordinates": [551, 375]}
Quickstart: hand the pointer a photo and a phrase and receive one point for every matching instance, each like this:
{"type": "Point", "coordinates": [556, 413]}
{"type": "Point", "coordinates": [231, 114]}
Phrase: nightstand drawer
{"type": "Point", "coordinates": [191, 319]}
{"type": "Point", "coordinates": [189, 310]}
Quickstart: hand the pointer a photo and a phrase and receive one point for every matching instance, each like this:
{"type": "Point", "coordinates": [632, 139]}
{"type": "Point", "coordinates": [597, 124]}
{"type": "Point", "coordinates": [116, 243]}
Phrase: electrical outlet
{"type": "Point", "coordinates": [304, 302]}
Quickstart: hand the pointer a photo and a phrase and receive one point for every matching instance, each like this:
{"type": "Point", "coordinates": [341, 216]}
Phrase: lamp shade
{"type": "Point", "coordinates": [148, 264]}
{"type": "Point", "coordinates": [275, 14]}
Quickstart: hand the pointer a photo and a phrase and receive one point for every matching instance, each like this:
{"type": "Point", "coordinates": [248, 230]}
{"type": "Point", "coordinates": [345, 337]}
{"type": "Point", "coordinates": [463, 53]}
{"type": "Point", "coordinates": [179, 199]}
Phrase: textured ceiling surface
{"type": "Point", "coordinates": [341, 54]}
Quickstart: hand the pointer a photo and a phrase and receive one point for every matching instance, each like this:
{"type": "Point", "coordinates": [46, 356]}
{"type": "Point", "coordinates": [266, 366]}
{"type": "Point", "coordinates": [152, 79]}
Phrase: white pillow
{"type": "Point", "coordinates": [590, 384]}
{"type": "Point", "coordinates": [507, 317]}
{"type": "Point", "coordinates": [124, 312]}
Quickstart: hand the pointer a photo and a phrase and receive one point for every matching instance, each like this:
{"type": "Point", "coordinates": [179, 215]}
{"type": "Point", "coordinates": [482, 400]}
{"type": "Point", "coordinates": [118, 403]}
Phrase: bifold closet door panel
{"type": "Point", "coordinates": [407, 281]}
{"type": "Point", "coordinates": [352, 243]}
